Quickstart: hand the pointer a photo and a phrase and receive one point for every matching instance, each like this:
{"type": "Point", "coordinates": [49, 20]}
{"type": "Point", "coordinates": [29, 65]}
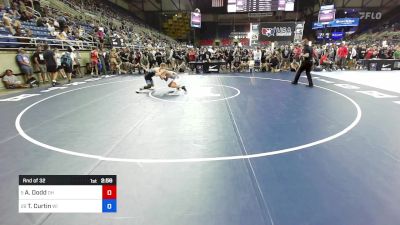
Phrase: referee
{"type": "Point", "coordinates": [306, 64]}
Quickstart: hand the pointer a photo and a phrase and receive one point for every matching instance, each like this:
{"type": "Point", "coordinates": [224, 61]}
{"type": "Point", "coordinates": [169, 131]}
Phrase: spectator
{"type": "Point", "coordinates": [24, 64]}
{"type": "Point", "coordinates": [51, 28]}
{"type": "Point", "coordinates": [342, 56]}
{"type": "Point", "coordinates": [41, 22]}
{"type": "Point", "coordinates": [36, 6]}
{"type": "Point", "coordinates": [60, 68]}
{"type": "Point", "coordinates": [94, 58]}
{"type": "Point", "coordinates": [12, 82]}
{"type": "Point", "coordinates": [285, 64]}
{"type": "Point", "coordinates": [67, 63]}
{"type": "Point", "coordinates": [144, 63]}
{"type": "Point", "coordinates": [369, 54]}
{"type": "Point", "coordinates": [51, 64]}
{"type": "Point", "coordinates": [25, 16]}
{"type": "Point", "coordinates": [113, 60]}
{"type": "Point", "coordinates": [325, 62]}
{"type": "Point", "coordinates": [257, 57]}
{"type": "Point", "coordinates": [40, 63]}
{"type": "Point", "coordinates": [8, 24]}
{"type": "Point", "coordinates": [396, 54]}
{"type": "Point", "coordinates": [274, 63]}
{"type": "Point", "coordinates": [77, 63]}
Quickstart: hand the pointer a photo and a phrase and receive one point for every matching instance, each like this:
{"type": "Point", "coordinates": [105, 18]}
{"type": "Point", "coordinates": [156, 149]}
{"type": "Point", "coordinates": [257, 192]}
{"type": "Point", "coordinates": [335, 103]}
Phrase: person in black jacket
{"type": "Point", "coordinates": [306, 64]}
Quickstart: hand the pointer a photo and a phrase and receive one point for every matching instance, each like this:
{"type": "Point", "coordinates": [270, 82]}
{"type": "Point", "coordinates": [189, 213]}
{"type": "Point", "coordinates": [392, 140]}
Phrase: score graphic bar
{"type": "Point", "coordinates": [67, 194]}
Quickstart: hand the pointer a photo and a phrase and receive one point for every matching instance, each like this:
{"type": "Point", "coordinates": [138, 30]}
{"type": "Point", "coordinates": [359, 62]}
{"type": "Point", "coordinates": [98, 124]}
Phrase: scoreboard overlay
{"type": "Point", "coordinates": [67, 194]}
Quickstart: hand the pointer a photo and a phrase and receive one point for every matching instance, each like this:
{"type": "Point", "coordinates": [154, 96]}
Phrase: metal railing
{"type": "Point", "coordinates": [29, 42]}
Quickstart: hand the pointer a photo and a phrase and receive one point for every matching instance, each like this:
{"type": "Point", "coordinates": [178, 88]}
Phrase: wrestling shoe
{"type": "Point", "coordinates": [184, 88]}
{"type": "Point", "coordinates": [55, 84]}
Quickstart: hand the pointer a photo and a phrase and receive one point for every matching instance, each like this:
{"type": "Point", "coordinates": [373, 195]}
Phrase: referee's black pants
{"type": "Point", "coordinates": [305, 66]}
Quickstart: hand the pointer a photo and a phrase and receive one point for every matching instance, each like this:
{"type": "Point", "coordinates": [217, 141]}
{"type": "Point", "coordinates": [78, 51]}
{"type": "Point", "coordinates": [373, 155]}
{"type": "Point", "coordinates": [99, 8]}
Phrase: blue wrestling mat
{"type": "Point", "coordinates": [237, 149]}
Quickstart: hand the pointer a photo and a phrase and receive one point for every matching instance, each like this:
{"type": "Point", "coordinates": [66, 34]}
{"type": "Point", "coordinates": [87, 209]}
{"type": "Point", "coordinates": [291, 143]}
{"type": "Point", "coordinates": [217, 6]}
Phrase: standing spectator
{"type": "Point", "coordinates": [66, 62]}
{"type": "Point", "coordinates": [100, 36]}
{"type": "Point", "coordinates": [24, 64]}
{"type": "Point", "coordinates": [113, 61]}
{"type": "Point", "coordinates": [285, 64]}
{"type": "Point", "coordinates": [77, 64]}
{"type": "Point", "coordinates": [369, 53]}
{"type": "Point", "coordinates": [144, 62]}
{"type": "Point", "coordinates": [51, 64]}
{"type": "Point", "coordinates": [342, 53]}
{"type": "Point", "coordinates": [151, 58]}
{"type": "Point", "coordinates": [94, 58]}
{"type": "Point", "coordinates": [192, 57]}
{"type": "Point", "coordinates": [352, 57]}
{"type": "Point", "coordinates": [60, 69]}
{"type": "Point", "coordinates": [257, 57]}
{"type": "Point", "coordinates": [137, 60]}
{"type": "Point", "coordinates": [158, 57]}
{"type": "Point", "coordinates": [40, 63]}
{"type": "Point", "coordinates": [102, 61]}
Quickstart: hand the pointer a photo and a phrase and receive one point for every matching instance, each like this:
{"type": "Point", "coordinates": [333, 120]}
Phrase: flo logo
{"type": "Point", "coordinates": [268, 31]}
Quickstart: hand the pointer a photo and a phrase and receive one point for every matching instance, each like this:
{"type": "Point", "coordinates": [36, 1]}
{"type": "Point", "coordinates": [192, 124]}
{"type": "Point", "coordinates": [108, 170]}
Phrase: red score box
{"type": "Point", "coordinates": [109, 192]}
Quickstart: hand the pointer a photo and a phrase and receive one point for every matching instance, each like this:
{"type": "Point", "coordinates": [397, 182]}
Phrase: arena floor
{"type": "Point", "coordinates": [237, 149]}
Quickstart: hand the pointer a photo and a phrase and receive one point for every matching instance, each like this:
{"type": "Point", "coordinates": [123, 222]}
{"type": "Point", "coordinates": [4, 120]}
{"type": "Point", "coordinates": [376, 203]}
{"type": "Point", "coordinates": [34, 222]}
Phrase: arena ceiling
{"type": "Point", "coordinates": [308, 6]}
{"type": "Point", "coordinates": [304, 10]}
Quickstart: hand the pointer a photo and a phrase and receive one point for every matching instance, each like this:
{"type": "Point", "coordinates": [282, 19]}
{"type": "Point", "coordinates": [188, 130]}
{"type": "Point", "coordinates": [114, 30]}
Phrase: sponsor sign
{"type": "Point", "coordinates": [345, 22]}
{"type": "Point", "coordinates": [337, 35]}
{"type": "Point", "coordinates": [283, 31]}
{"type": "Point", "coordinates": [370, 15]}
{"type": "Point", "coordinates": [317, 26]}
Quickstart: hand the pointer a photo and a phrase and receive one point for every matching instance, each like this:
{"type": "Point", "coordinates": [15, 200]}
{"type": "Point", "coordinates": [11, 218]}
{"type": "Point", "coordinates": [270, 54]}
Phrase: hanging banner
{"type": "Point", "coordinates": [196, 20]}
{"type": "Point", "coordinates": [281, 31]}
{"type": "Point", "coordinates": [254, 33]}
{"type": "Point", "coordinates": [298, 33]}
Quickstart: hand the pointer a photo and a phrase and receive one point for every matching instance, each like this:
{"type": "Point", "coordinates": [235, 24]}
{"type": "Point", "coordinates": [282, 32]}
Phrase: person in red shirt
{"type": "Point", "coordinates": [192, 55]}
{"type": "Point", "coordinates": [342, 56]}
{"type": "Point", "coordinates": [325, 62]}
{"type": "Point", "coordinates": [94, 58]}
{"type": "Point", "coordinates": [297, 52]}
{"type": "Point", "coordinates": [369, 53]}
